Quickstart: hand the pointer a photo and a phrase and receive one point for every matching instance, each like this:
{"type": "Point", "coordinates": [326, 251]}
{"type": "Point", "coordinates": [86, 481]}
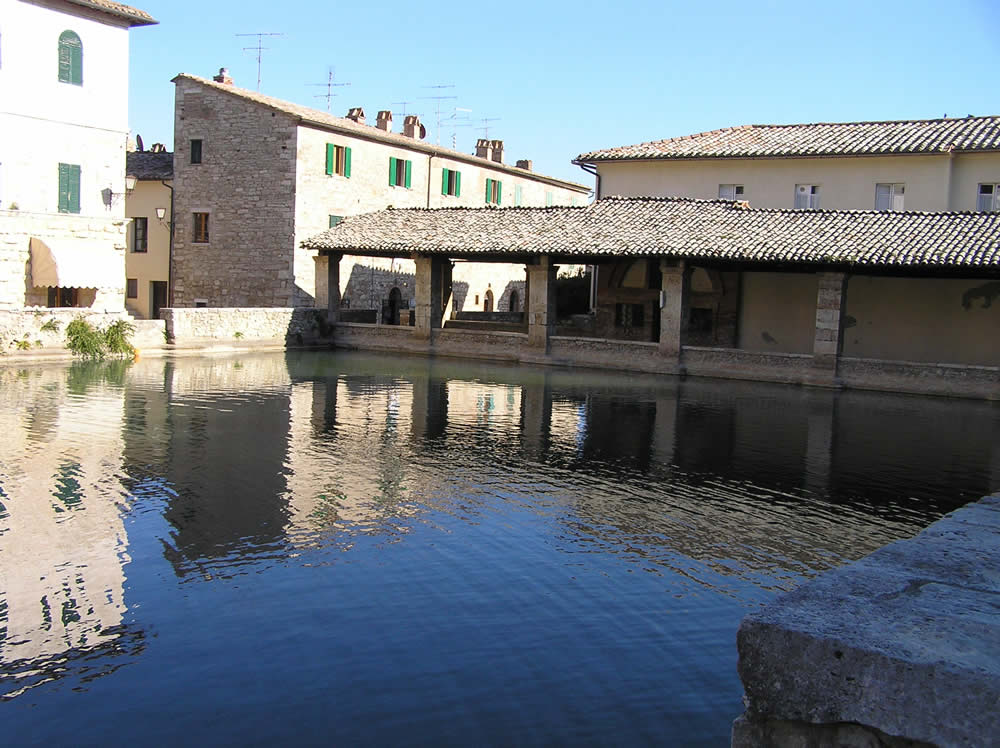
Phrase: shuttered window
{"type": "Point", "coordinates": [334, 220]}
{"type": "Point", "coordinates": [730, 191]}
{"type": "Point", "coordinates": [989, 198]}
{"type": "Point", "coordinates": [517, 194]}
{"type": "Point", "coordinates": [70, 58]}
{"type": "Point", "coordinates": [889, 196]}
{"type": "Point", "coordinates": [451, 182]}
{"type": "Point", "coordinates": [807, 197]}
{"type": "Point", "coordinates": [494, 189]}
{"type": "Point", "coordinates": [400, 172]}
{"type": "Point", "coordinates": [69, 188]}
{"type": "Point", "coordinates": [338, 160]}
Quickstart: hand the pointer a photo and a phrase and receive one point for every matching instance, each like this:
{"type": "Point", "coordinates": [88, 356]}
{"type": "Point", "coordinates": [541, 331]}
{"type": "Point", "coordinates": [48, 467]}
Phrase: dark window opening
{"type": "Point", "coordinates": [196, 151]}
{"type": "Point", "coordinates": [131, 288]}
{"type": "Point", "coordinates": [63, 296]}
{"type": "Point", "coordinates": [701, 321]}
{"type": "Point", "coordinates": [140, 234]}
{"type": "Point", "coordinates": [629, 315]}
{"type": "Point", "coordinates": [201, 228]}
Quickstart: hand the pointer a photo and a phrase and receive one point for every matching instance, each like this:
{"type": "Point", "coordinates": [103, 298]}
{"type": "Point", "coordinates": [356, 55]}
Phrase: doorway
{"type": "Point", "coordinates": [157, 298]}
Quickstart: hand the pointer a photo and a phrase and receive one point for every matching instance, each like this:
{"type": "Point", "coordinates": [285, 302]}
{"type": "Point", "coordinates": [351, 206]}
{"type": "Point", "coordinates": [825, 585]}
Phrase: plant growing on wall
{"type": "Point", "coordinates": [85, 340]}
{"type": "Point", "coordinates": [51, 325]}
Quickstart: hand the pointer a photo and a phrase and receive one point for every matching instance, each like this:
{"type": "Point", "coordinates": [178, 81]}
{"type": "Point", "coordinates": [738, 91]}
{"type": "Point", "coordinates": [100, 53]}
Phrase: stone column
{"type": "Point", "coordinates": [447, 291]}
{"type": "Point", "coordinates": [541, 293]}
{"type": "Point", "coordinates": [831, 301]}
{"type": "Point", "coordinates": [333, 287]}
{"type": "Point", "coordinates": [676, 308]}
{"type": "Point", "coordinates": [429, 295]}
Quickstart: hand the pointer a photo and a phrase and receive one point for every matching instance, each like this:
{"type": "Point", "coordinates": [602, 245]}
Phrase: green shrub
{"type": "Point", "coordinates": [52, 325]}
{"type": "Point", "coordinates": [238, 335]}
{"type": "Point", "coordinates": [23, 345]}
{"type": "Point", "coordinates": [86, 341]}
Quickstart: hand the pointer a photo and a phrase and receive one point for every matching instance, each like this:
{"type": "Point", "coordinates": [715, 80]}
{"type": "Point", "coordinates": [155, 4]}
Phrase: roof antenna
{"type": "Point", "coordinates": [486, 125]}
{"type": "Point", "coordinates": [258, 49]}
{"type": "Point", "coordinates": [329, 85]}
{"type": "Point", "coordinates": [437, 109]}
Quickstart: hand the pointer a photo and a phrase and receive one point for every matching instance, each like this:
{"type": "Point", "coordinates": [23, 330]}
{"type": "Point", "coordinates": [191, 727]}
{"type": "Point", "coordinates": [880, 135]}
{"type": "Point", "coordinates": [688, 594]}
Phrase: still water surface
{"type": "Point", "coordinates": [353, 549]}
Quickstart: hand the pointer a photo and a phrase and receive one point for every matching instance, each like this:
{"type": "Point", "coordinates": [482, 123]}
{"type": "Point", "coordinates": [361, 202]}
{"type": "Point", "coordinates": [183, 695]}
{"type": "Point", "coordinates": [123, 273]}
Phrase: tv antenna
{"type": "Point", "coordinates": [437, 110]}
{"type": "Point", "coordinates": [486, 125]}
{"type": "Point", "coordinates": [457, 121]}
{"type": "Point", "coordinates": [329, 85]}
{"type": "Point", "coordinates": [403, 104]}
{"type": "Point", "coordinates": [259, 49]}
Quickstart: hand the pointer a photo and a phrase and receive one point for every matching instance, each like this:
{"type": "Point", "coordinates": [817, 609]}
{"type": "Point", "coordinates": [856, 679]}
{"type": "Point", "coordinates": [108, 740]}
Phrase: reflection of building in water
{"type": "Point", "coordinates": [63, 540]}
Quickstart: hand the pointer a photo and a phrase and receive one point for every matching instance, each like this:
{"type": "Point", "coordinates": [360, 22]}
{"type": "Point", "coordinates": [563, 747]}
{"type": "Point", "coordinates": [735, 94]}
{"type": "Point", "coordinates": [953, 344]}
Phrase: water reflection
{"type": "Point", "coordinates": [609, 530]}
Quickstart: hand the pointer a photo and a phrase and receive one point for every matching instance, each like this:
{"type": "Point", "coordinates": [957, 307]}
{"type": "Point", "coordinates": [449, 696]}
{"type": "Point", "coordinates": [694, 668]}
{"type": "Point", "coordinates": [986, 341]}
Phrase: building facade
{"type": "Point", "coordinates": [149, 208]}
{"type": "Point", "coordinates": [255, 176]}
{"type": "Point", "coordinates": [64, 87]}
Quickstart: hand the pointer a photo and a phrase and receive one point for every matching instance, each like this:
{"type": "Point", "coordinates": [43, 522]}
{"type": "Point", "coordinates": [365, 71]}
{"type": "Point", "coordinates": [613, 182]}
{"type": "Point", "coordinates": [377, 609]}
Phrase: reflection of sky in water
{"type": "Point", "coordinates": [350, 548]}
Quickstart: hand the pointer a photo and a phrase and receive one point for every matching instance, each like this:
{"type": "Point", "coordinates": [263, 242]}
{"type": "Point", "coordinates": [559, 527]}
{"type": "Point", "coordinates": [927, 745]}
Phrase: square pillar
{"type": "Point", "coordinates": [429, 293]}
{"type": "Point", "coordinates": [333, 286]}
{"type": "Point", "coordinates": [541, 297]}
{"type": "Point", "coordinates": [676, 309]}
{"type": "Point", "coordinates": [828, 343]}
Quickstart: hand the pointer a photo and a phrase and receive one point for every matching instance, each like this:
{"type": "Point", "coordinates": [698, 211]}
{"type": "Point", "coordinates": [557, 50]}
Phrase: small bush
{"type": "Point", "coordinates": [84, 340]}
{"type": "Point", "coordinates": [23, 345]}
{"type": "Point", "coordinates": [52, 325]}
{"type": "Point", "coordinates": [238, 335]}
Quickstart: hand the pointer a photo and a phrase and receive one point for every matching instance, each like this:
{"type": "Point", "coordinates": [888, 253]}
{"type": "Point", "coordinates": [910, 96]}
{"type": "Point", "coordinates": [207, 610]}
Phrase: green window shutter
{"type": "Point", "coordinates": [347, 163]}
{"type": "Point", "coordinates": [77, 56]}
{"type": "Point", "coordinates": [334, 220]}
{"type": "Point", "coordinates": [392, 170]}
{"type": "Point", "coordinates": [69, 188]}
{"type": "Point", "coordinates": [409, 166]}
{"type": "Point", "coordinates": [63, 187]}
{"type": "Point", "coordinates": [329, 158]}
{"type": "Point", "coordinates": [458, 184]}
{"type": "Point", "coordinates": [489, 189]}
{"type": "Point", "coordinates": [444, 181]}
{"type": "Point", "coordinates": [70, 58]}
{"type": "Point", "coordinates": [499, 190]}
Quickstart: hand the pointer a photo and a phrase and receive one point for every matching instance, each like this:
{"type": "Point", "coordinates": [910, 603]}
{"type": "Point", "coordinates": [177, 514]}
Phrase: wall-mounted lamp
{"type": "Point", "coordinates": [110, 197]}
{"type": "Point", "coordinates": [130, 182]}
{"type": "Point", "coordinates": [161, 213]}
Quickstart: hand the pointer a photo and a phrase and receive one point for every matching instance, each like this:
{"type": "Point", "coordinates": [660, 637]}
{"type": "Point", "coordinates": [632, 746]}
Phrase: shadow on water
{"type": "Point", "coordinates": [463, 552]}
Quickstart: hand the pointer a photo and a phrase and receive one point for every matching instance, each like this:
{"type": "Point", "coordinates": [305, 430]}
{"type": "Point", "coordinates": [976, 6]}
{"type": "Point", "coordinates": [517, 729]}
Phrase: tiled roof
{"type": "Point", "coordinates": [136, 16]}
{"type": "Point", "coordinates": [717, 230]}
{"type": "Point", "coordinates": [822, 139]}
{"type": "Point", "coordinates": [149, 165]}
{"type": "Point", "coordinates": [350, 127]}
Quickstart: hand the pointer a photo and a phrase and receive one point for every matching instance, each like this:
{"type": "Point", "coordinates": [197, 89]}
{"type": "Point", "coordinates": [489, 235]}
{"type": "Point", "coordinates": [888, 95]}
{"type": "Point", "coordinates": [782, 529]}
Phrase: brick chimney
{"type": "Point", "coordinates": [484, 148]}
{"type": "Point", "coordinates": [357, 114]}
{"type": "Point", "coordinates": [383, 120]}
{"type": "Point", "coordinates": [223, 77]}
{"type": "Point", "coordinates": [497, 150]}
{"type": "Point", "coordinates": [524, 163]}
{"type": "Point", "coordinates": [412, 127]}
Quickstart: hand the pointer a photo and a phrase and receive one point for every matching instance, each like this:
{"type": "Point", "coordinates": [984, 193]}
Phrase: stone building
{"type": "Point", "coordinates": [149, 207]}
{"type": "Point", "coordinates": [920, 165]}
{"type": "Point", "coordinates": [254, 176]}
{"type": "Point", "coordinates": [64, 87]}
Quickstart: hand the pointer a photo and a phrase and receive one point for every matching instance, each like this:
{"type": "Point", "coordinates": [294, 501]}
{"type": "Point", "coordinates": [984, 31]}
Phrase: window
{"type": "Point", "coordinates": [451, 182]}
{"type": "Point", "coordinates": [629, 315]}
{"type": "Point", "coordinates": [140, 234]}
{"type": "Point", "coordinates": [989, 198]}
{"type": "Point", "coordinates": [196, 151]}
{"type": "Point", "coordinates": [334, 220]}
{"type": "Point", "coordinates": [69, 188]}
{"type": "Point", "coordinates": [132, 288]}
{"type": "Point", "coordinates": [63, 296]}
{"type": "Point", "coordinates": [549, 198]}
{"type": "Point", "coordinates": [338, 160]}
{"type": "Point", "coordinates": [807, 197]}
{"type": "Point", "coordinates": [889, 196]}
{"type": "Point", "coordinates": [730, 191]}
{"type": "Point", "coordinates": [70, 58]}
{"type": "Point", "coordinates": [400, 171]}
{"type": "Point", "coordinates": [517, 194]}
{"type": "Point", "coordinates": [200, 228]}
{"type": "Point", "coordinates": [494, 188]}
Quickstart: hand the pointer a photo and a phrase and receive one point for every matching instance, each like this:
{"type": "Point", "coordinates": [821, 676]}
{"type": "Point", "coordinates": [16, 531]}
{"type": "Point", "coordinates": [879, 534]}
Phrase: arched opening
{"type": "Point", "coordinates": [395, 302]}
{"type": "Point", "coordinates": [488, 301]}
{"type": "Point", "coordinates": [514, 301]}
{"type": "Point", "coordinates": [70, 58]}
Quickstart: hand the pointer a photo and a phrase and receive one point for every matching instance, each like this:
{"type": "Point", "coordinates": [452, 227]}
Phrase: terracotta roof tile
{"type": "Point", "coordinates": [136, 16]}
{"type": "Point", "coordinates": [149, 165]}
{"type": "Point", "coordinates": [822, 139]}
{"type": "Point", "coordinates": [679, 228]}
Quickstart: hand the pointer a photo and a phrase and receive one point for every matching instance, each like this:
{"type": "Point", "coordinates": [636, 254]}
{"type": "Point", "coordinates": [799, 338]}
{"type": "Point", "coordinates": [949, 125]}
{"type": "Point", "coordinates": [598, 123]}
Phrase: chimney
{"type": "Point", "coordinates": [357, 114]}
{"type": "Point", "coordinates": [223, 77]}
{"type": "Point", "coordinates": [384, 120]}
{"type": "Point", "coordinates": [497, 150]}
{"type": "Point", "coordinates": [484, 148]}
{"type": "Point", "coordinates": [412, 127]}
{"type": "Point", "coordinates": [524, 163]}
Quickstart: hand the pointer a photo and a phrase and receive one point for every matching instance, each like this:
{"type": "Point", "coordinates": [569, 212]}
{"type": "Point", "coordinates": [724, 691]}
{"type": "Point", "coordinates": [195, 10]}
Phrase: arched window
{"type": "Point", "coordinates": [70, 58]}
{"type": "Point", "coordinates": [488, 301]}
{"type": "Point", "coordinates": [513, 301]}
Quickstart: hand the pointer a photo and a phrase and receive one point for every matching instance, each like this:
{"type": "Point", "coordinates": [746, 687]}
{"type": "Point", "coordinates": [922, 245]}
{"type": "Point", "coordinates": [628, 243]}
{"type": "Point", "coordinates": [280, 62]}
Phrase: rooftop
{"type": "Point", "coordinates": [135, 16]}
{"type": "Point", "coordinates": [820, 139]}
{"type": "Point", "coordinates": [324, 120]}
{"type": "Point", "coordinates": [712, 230]}
{"type": "Point", "coordinates": [149, 164]}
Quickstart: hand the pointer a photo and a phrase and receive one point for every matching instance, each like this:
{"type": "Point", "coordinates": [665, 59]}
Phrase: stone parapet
{"type": "Point", "coordinates": [900, 648]}
{"type": "Point", "coordinates": [279, 324]}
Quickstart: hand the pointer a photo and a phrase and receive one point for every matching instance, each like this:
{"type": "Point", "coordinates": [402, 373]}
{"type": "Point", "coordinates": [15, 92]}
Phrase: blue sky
{"type": "Point", "coordinates": [563, 78]}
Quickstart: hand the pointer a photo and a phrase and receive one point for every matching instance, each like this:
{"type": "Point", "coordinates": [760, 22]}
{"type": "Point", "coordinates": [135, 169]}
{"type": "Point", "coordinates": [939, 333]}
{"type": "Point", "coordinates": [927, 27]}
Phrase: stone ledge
{"type": "Point", "coordinates": [904, 642]}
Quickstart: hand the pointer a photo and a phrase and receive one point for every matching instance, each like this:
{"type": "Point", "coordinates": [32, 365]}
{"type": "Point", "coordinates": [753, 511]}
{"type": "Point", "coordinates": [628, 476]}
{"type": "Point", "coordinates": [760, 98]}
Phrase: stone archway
{"type": "Point", "coordinates": [514, 300]}
{"type": "Point", "coordinates": [488, 301]}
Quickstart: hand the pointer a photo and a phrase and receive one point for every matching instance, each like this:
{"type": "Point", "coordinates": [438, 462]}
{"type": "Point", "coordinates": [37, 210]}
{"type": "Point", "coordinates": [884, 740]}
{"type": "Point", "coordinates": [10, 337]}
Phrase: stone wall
{"type": "Point", "coordinates": [16, 229]}
{"type": "Point", "coordinates": [246, 183]}
{"type": "Point", "coordinates": [236, 324]}
{"type": "Point", "coordinates": [44, 330]}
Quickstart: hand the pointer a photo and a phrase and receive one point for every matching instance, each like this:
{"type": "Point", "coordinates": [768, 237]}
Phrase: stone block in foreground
{"type": "Point", "coordinates": [899, 648]}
